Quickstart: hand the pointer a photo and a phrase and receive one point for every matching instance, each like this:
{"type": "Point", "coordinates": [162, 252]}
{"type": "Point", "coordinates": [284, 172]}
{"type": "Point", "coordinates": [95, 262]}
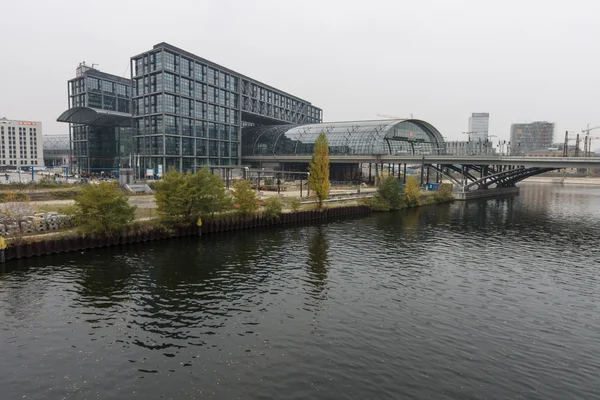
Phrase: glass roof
{"type": "Point", "coordinates": [386, 137]}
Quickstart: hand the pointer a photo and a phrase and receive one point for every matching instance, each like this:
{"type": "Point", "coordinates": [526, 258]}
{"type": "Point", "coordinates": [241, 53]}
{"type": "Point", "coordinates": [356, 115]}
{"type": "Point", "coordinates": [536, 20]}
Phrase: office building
{"type": "Point", "coordinates": [22, 143]}
{"type": "Point", "coordinates": [479, 127]}
{"type": "Point", "coordinates": [99, 118]}
{"type": "Point", "coordinates": [185, 112]}
{"type": "Point", "coordinates": [525, 138]}
{"type": "Point", "coordinates": [188, 112]}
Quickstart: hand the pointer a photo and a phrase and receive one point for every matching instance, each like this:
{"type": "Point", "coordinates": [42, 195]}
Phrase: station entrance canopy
{"type": "Point", "coordinates": [95, 117]}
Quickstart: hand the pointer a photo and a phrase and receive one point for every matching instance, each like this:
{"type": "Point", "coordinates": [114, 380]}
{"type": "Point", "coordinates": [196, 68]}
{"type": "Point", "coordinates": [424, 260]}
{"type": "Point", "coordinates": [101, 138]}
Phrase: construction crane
{"type": "Point", "coordinates": [393, 116]}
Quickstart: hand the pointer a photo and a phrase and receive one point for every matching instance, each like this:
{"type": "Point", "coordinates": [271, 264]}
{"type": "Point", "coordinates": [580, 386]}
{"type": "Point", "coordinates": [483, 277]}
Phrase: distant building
{"type": "Point", "coordinates": [56, 150]}
{"type": "Point", "coordinates": [478, 147]}
{"type": "Point", "coordinates": [22, 143]}
{"type": "Point", "coordinates": [479, 127]}
{"type": "Point", "coordinates": [525, 138]}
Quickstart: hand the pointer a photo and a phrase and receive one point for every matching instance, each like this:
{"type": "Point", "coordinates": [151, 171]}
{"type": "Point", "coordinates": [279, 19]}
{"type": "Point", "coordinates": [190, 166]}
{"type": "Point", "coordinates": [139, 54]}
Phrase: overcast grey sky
{"type": "Point", "coordinates": [438, 60]}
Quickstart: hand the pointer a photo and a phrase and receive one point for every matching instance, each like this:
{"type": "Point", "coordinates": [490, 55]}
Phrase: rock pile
{"type": "Point", "coordinates": [42, 222]}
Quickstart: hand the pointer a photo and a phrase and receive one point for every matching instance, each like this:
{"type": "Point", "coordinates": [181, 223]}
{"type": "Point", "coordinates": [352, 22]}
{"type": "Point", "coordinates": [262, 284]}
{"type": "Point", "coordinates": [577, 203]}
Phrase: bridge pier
{"type": "Point", "coordinates": [485, 193]}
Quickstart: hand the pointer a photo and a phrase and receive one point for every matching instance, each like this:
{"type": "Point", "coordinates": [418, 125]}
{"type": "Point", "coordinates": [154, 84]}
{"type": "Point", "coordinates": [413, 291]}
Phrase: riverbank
{"type": "Point", "coordinates": [72, 241]}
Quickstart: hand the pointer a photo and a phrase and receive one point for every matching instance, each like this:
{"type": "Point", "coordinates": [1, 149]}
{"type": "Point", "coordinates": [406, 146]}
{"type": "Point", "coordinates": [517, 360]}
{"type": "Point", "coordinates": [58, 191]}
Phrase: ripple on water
{"type": "Point", "coordinates": [490, 299]}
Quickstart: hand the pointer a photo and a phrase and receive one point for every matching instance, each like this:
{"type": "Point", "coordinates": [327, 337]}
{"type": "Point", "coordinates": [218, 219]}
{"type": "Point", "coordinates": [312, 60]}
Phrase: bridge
{"type": "Point", "coordinates": [467, 173]}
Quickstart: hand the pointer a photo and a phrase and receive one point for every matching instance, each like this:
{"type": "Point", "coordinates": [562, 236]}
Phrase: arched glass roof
{"type": "Point", "coordinates": [409, 136]}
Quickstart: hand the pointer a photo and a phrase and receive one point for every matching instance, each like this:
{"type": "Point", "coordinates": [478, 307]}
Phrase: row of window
{"type": "Point", "coordinates": [172, 125]}
{"type": "Point", "coordinates": [185, 67]}
{"type": "Point", "coordinates": [168, 82]}
{"type": "Point", "coordinates": [104, 102]}
{"type": "Point", "coordinates": [99, 85]}
{"type": "Point", "coordinates": [15, 162]}
{"type": "Point", "coordinates": [167, 103]}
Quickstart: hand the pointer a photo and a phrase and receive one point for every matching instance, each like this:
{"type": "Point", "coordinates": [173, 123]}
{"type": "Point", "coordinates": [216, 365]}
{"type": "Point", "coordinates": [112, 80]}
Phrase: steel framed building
{"type": "Point", "coordinates": [177, 110]}
{"type": "Point", "coordinates": [99, 118]}
{"type": "Point", "coordinates": [188, 112]}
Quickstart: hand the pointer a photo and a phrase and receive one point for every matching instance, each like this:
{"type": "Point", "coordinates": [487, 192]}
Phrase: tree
{"type": "Point", "coordinates": [245, 197]}
{"type": "Point", "coordinates": [412, 192]}
{"type": "Point", "coordinates": [183, 197]}
{"type": "Point", "coordinates": [102, 209]}
{"type": "Point", "coordinates": [319, 170]}
{"type": "Point", "coordinates": [273, 207]}
{"type": "Point", "coordinates": [389, 195]}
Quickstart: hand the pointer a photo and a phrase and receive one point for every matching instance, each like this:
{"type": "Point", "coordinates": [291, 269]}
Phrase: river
{"type": "Point", "coordinates": [490, 299]}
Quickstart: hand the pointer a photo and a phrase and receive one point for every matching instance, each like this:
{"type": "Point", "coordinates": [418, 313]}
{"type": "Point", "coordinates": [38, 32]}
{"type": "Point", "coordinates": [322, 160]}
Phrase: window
{"type": "Point", "coordinates": [108, 87]}
{"type": "Point", "coordinates": [172, 145]}
{"type": "Point", "coordinates": [213, 148]}
{"type": "Point", "coordinates": [187, 146]}
{"type": "Point", "coordinates": [169, 103]}
{"type": "Point", "coordinates": [169, 61]}
{"type": "Point", "coordinates": [168, 82]}
{"type": "Point", "coordinates": [201, 147]}
{"type": "Point", "coordinates": [212, 131]}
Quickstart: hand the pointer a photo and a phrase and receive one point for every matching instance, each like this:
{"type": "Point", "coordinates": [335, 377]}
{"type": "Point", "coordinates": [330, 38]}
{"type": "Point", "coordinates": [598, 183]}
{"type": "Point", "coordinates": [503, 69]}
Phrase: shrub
{"type": "Point", "coordinates": [245, 197]}
{"type": "Point", "coordinates": [389, 195]}
{"type": "Point", "coordinates": [273, 207]}
{"type": "Point", "coordinates": [444, 194]}
{"type": "Point", "coordinates": [102, 209]}
{"type": "Point", "coordinates": [295, 204]}
{"type": "Point", "coordinates": [412, 192]}
{"type": "Point", "coordinates": [183, 197]}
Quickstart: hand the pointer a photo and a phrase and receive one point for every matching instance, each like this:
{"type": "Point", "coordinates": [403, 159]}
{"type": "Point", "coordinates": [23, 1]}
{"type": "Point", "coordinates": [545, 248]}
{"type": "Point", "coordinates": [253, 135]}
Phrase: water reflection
{"type": "Point", "coordinates": [318, 262]}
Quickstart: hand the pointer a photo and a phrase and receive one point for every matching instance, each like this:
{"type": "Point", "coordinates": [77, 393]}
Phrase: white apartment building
{"type": "Point", "coordinates": [479, 127]}
{"type": "Point", "coordinates": [22, 143]}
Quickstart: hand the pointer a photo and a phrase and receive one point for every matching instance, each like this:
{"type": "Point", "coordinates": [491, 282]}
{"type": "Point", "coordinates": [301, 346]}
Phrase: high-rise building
{"type": "Point", "coordinates": [177, 110]}
{"type": "Point", "coordinates": [100, 120]}
{"type": "Point", "coordinates": [479, 127]}
{"type": "Point", "coordinates": [188, 112]}
{"type": "Point", "coordinates": [22, 143]}
{"type": "Point", "coordinates": [532, 136]}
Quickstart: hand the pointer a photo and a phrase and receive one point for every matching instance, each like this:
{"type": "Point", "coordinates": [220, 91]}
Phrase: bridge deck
{"type": "Point", "coordinates": [542, 162]}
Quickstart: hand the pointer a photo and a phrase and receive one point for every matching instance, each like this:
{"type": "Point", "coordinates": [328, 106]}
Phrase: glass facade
{"type": "Point", "coordinates": [179, 98]}
{"type": "Point", "coordinates": [388, 137]}
{"type": "Point", "coordinates": [104, 146]}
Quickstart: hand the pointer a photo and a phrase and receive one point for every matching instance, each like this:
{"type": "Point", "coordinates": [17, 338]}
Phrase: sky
{"type": "Point", "coordinates": [436, 60]}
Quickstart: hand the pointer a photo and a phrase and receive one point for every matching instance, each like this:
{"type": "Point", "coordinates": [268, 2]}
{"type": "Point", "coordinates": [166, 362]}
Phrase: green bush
{"type": "Point", "coordinates": [444, 193]}
{"type": "Point", "coordinates": [273, 207]}
{"type": "Point", "coordinates": [102, 209]}
{"type": "Point", "coordinates": [268, 182]}
{"type": "Point", "coordinates": [389, 195]}
{"type": "Point", "coordinates": [183, 197]}
{"type": "Point", "coordinates": [295, 204]}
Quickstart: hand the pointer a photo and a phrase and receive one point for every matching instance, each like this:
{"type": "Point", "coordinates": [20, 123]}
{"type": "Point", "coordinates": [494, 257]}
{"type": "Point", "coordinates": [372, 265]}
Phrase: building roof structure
{"type": "Point", "coordinates": [386, 137]}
